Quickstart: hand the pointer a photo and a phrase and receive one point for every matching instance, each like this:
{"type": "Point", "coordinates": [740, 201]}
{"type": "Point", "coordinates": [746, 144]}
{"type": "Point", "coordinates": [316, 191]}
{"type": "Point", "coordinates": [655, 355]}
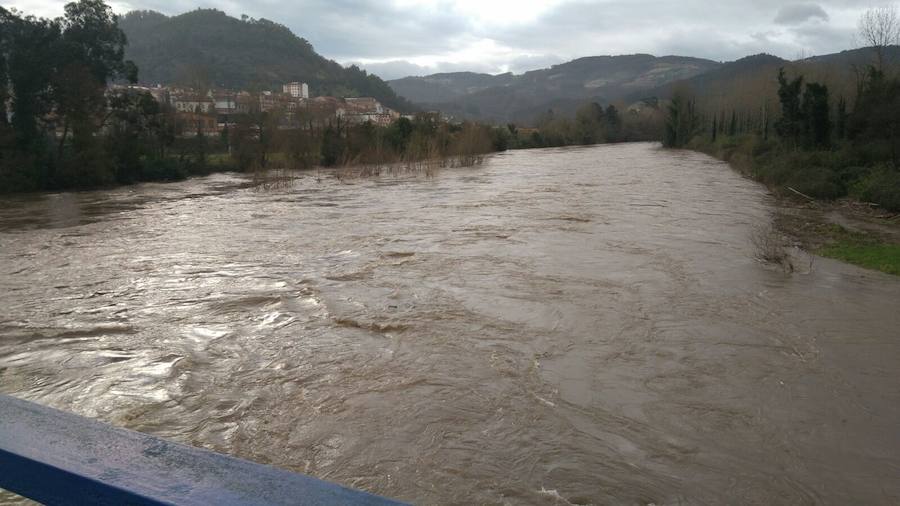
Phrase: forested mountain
{"type": "Point", "coordinates": [744, 81]}
{"type": "Point", "coordinates": [209, 48]}
{"type": "Point", "coordinates": [446, 87]}
{"type": "Point", "coordinates": [519, 98]}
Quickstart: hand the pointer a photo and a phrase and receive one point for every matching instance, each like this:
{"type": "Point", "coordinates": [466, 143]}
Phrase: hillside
{"type": "Point", "coordinates": [741, 81]}
{"type": "Point", "coordinates": [750, 85]}
{"type": "Point", "coordinates": [207, 47]}
{"type": "Point", "coordinates": [446, 87]}
{"type": "Point", "coordinates": [519, 98]}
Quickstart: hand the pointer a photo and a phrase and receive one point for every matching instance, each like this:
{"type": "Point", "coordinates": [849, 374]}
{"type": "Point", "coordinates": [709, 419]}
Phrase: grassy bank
{"type": "Point", "coordinates": [873, 244]}
{"type": "Point", "coordinates": [818, 187]}
{"type": "Point", "coordinates": [865, 253]}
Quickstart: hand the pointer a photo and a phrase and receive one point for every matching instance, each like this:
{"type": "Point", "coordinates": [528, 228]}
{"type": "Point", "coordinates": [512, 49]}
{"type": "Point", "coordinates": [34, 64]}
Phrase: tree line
{"type": "Point", "coordinates": [810, 142]}
{"type": "Point", "coordinates": [69, 120]}
{"type": "Point", "coordinates": [257, 140]}
{"type": "Point", "coordinates": [592, 124]}
{"type": "Point", "coordinates": [53, 77]}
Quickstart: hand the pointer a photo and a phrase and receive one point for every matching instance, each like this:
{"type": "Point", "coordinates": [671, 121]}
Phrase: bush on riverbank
{"type": "Point", "coordinates": [812, 149]}
{"type": "Point", "coordinates": [820, 174]}
{"type": "Point", "coordinates": [881, 186]}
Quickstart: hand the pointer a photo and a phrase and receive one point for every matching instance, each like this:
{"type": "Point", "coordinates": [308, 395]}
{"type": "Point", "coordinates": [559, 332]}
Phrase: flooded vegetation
{"type": "Point", "coordinates": [569, 326]}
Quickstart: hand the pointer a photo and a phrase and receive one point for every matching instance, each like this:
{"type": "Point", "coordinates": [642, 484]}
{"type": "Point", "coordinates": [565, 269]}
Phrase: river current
{"type": "Point", "coordinates": [583, 326]}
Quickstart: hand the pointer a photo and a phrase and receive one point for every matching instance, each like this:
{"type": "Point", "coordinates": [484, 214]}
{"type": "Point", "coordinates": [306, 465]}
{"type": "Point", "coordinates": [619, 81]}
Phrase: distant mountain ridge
{"type": "Point", "coordinates": [509, 97]}
{"type": "Point", "coordinates": [628, 79]}
{"type": "Point", "coordinates": [209, 47]}
{"type": "Point", "coordinates": [724, 79]}
{"type": "Point", "coordinates": [752, 81]}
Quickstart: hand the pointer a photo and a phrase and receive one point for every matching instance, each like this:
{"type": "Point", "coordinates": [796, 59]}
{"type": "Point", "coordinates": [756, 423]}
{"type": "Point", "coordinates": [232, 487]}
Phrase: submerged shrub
{"type": "Point", "coordinates": [771, 247]}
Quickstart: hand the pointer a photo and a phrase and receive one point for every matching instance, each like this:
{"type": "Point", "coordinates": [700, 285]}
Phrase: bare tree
{"type": "Point", "coordinates": [879, 28]}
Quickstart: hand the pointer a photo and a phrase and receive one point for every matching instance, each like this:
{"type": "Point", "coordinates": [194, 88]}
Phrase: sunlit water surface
{"type": "Point", "coordinates": [578, 325]}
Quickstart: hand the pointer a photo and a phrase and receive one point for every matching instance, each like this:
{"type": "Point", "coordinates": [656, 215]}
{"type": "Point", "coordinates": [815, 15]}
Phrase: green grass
{"type": "Point", "coordinates": [861, 250]}
{"type": "Point", "coordinates": [880, 257]}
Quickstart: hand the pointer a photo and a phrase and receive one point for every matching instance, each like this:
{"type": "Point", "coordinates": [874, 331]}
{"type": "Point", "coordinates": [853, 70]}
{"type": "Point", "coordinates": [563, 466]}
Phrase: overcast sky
{"type": "Point", "coordinates": [395, 38]}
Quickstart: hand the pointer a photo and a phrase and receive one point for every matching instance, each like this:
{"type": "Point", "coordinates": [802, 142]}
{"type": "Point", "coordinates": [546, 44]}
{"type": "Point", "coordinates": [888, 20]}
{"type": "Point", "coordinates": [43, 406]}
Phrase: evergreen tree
{"type": "Point", "coordinates": [841, 123]}
{"type": "Point", "coordinates": [613, 124]}
{"type": "Point", "coordinates": [332, 147]}
{"type": "Point", "coordinates": [875, 120]}
{"type": "Point", "coordinates": [791, 122]}
{"type": "Point", "coordinates": [816, 116]}
{"type": "Point", "coordinates": [589, 123]}
{"type": "Point", "coordinates": [682, 121]}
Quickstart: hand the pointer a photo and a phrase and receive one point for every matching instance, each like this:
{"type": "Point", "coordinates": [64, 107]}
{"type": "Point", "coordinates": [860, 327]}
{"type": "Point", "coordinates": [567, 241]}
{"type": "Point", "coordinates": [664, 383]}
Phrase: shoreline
{"type": "Point", "coordinates": [846, 229]}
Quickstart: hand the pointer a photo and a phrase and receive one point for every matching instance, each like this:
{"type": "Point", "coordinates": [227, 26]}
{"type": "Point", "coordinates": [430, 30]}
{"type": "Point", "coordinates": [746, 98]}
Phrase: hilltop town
{"type": "Point", "coordinates": [210, 112]}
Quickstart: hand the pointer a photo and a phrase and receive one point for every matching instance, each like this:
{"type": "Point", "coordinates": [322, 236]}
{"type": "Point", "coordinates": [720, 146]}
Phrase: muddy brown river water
{"type": "Point", "coordinates": [584, 326]}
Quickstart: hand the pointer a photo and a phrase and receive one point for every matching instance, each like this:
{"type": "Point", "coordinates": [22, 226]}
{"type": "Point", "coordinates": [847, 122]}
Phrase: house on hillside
{"type": "Point", "coordinates": [284, 103]}
{"type": "Point", "coordinates": [296, 89]}
{"type": "Point", "coordinates": [191, 124]}
{"type": "Point", "coordinates": [245, 103]}
{"type": "Point", "coordinates": [225, 102]}
{"type": "Point", "coordinates": [159, 93]}
{"type": "Point", "coordinates": [322, 111]}
{"type": "Point", "coordinates": [365, 104]}
{"type": "Point", "coordinates": [184, 100]}
{"type": "Point", "coordinates": [357, 111]}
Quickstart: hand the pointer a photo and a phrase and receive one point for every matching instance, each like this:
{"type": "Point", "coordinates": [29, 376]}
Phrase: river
{"type": "Point", "coordinates": [583, 326]}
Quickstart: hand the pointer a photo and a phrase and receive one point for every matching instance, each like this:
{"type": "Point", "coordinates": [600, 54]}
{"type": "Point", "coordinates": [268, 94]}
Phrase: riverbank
{"type": "Point", "coordinates": [846, 229]}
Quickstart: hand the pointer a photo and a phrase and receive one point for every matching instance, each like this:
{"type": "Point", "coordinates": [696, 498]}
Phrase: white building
{"type": "Point", "coordinates": [190, 101]}
{"type": "Point", "coordinates": [296, 89]}
{"type": "Point", "coordinates": [364, 105]}
{"type": "Point", "coordinates": [225, 103]}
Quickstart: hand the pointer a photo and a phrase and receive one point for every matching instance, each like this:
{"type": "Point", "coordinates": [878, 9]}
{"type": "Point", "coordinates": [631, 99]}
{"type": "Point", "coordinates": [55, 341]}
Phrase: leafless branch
{"type": "Point", "coordinates": [879, 28]}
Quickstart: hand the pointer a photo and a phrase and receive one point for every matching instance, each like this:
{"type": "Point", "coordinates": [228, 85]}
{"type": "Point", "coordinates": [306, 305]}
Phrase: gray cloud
{"type": "Point", "coordinates": [394, 37]}
{"type": "Point", "coordinates": [796, 14]}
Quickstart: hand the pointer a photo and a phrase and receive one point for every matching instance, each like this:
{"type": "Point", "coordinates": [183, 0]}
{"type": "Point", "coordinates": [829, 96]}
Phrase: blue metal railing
{"type": "Point", "coordinates": [59, 458]}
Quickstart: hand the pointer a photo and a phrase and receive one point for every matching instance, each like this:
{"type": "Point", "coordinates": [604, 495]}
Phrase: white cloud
{"type": "Point", "coordinates": [394, 36]}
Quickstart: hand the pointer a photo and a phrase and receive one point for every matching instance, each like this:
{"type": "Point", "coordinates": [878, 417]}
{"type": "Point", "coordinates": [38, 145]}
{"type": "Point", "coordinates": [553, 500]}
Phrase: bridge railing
{"type": "Point", "coordinates": [59, 458]}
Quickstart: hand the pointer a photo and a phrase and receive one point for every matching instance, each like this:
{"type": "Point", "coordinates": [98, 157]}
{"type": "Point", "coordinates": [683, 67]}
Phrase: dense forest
{"type": "Point", "coordinates": [821, 133]}
{"type": "Point", "coordinates": [65, 126]}
{"type": "Point", "coordinates": [207, 48]}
